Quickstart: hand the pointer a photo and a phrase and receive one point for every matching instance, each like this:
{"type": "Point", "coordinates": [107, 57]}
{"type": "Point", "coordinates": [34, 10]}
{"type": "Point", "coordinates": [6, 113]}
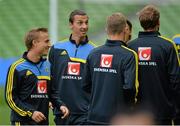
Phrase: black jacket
{"type": "Point", "coordinates": [28, 90]}
{"type": "Point", "coordinates": [110, 77]}
{"type": "Point", "coordinates": [159, 73]}
{"type": "Point", "coordinates": [67, 63]}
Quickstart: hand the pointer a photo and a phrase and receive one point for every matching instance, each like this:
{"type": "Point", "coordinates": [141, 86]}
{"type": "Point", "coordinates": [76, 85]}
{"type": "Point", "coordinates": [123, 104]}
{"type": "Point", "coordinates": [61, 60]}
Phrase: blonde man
{"type": "Point", "coordinates": [111, 74]}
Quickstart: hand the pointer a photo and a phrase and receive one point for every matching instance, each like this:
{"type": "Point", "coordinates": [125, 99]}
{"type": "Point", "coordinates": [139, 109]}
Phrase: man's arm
{"type": "Point", "coordinates": [131, 79]}
{"type": "Point", "coordinates": [174, 72]}
{"type": "Point", "coordinates": [173, 66]}
{"type": "Point", "coordinates": [11, 94]}
{"type": "Point", "coordinates": [87, 82]}
{"type": "Point", "coordinates": [54, 87]}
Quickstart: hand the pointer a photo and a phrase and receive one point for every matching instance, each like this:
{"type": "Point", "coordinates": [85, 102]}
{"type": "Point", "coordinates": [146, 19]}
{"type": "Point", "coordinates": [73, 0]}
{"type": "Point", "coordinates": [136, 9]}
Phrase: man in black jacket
{"type": "Point", "coordinates": [159, 75]}
{"type": "Point", "coordinates": [67, 59]}
{"type": "Point", "coordinates": [27, 89]}
{"type": "Point", "coordinates": [111, 74]}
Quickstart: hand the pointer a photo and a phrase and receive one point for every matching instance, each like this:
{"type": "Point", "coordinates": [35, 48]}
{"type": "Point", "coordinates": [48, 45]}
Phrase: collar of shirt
{"type": "Point", "coordinates": [115, 43]}
{"type": "Point", "coordinates": [81, 43]}
{"type": "Point", "coordinates": [149, 34]}
{"type": "Point", "coordinates": [26, 58]}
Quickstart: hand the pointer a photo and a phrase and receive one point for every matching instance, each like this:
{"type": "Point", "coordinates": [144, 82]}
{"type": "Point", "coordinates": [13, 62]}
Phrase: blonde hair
{"type": "Point", "coordinates": [33, 35]}
{"type": "Point", "coordinates": [115, 23]}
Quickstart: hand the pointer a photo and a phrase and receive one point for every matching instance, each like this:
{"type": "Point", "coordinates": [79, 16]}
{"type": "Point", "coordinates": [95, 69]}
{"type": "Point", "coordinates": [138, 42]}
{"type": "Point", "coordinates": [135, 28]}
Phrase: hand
{"type": "Point", "coordinates": [65, 111]}
{"type": "Point", "coordinates": [50, 105]}
{"type": "Point", "coordinates": [38, 116]}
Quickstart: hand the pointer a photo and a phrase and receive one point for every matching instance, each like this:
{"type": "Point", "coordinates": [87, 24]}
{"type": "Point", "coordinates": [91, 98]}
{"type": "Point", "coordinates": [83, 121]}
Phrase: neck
{"type": "Point", "coordinates": [78, 39]}
{"type": "Point", "coordinates": [152, 29]}
{"type": "Point", "coordinates": [116, 37]}
{"type": "Point", "coordinates": [32, 56]}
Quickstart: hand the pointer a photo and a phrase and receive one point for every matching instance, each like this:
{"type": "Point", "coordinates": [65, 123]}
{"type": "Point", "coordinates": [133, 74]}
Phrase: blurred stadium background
{"type": "Point", "coordinates": [19, 16]}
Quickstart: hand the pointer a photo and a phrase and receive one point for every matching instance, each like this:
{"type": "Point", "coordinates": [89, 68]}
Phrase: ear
{"type": "Point", "coordinates": [34, 43]}
{"type": "Point", "coordinates": [158, 25]}
{"type": "Point", "coordinates": [106, 30]}
{"type": "Point", "coordinates": [158, 22]}
{"type": "Point", "coordinates": [126, 28]}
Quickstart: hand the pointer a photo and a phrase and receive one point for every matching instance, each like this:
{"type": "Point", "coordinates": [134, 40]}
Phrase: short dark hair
{"type": "Point", "coordinates": [129, 24]}
{"type": "Point", "coordinates": [149, 17]}
{"type": "Point", "coordinates": [33, 35]}
{"type": "Point", "coordinates": [75, 12]}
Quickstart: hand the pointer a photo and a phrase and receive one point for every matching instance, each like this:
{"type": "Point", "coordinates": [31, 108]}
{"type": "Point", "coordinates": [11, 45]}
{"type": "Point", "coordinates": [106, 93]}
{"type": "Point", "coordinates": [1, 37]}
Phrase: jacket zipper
{"type": "Point", "coordinates": [38, 68]}
{"type": "Point", "coordinates": [76, 50]}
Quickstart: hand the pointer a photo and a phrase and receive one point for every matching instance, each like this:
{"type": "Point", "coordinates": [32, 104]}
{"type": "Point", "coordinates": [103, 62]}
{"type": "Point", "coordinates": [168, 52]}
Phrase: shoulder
{"type": "Point", "coordinates": [62, 43]}
{"type": "Point", "coordinates": [17, 64]}
{"type": "Point", "coordinates": [133, 42]}
{"type": "Point", "coordinates": [92, 44]}
{"type": "Point", "coordinates": [129, 52]}
{"type": "Point", "coordinates": [54, 51]}
{"type": "Point", "coordinates": [168, 44]}
{"type": "Point", "coordinates": [167, 41]}
{"type": "Point", "coordinates": [96, 50]}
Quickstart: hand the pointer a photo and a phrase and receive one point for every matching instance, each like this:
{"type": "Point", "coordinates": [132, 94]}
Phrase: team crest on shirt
{"type": "Point", "coordinates": [42, 86]}
{"type": "Point", "coordinates": [28, 73]}
{"type": "Point", "coordinates": [47, 69]}
{"type": "Point", "coordinates": [73, 68]}
{"type": "Point", "coordinates": [63, 53]}
{"type": "Point", "coordinates": [106, 60]}
{"type": "Point", "coordinates": [144, 53]}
